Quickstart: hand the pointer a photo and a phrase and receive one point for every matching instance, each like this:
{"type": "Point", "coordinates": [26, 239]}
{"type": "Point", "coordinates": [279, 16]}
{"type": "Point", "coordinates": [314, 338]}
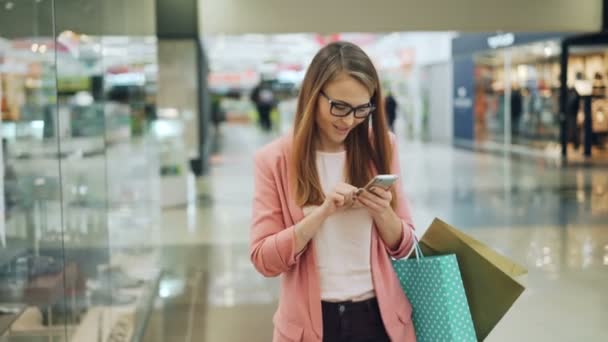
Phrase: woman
{"type": "Point", "coordinates": [331, 246]}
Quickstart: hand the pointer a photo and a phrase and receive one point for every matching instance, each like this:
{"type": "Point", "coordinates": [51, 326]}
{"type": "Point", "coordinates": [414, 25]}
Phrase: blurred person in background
{"type": "Point", "coordinates": [10, 181]}
{"type": "Point", "coordinates": [391, 110]}
{"type": "Point", "coordinates": [218, 115]}
{"type": "Point", "coordinates": [599, 87]}
{"type": "Point", "coordinates": [573, 104]}
{"type": "Point", "coordinates": [516, 109]}
{"type": "Point", "coordinates": [330, 241]}
{"type": "Point", "coordinates": [263, 98]}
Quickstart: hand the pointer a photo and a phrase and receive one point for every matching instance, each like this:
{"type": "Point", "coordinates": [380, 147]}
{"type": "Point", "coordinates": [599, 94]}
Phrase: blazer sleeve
{"type": "Point", "coordinates": [406, 246]}
{"type": "Point", "coordinates": [272, 245]}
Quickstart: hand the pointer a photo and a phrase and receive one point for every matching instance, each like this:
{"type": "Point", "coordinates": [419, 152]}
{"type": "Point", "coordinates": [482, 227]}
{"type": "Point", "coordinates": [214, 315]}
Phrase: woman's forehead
{"type": "Point", "coordinates": [348, 89]}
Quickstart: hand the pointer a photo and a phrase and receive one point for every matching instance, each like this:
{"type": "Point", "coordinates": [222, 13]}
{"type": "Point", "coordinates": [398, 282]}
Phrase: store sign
{"type": "Point", "coordinates": [464, 123]}
{"type": "Point", "coordinates": [501, 40]}
{"type": "Point", "coordinates": [462, 99]}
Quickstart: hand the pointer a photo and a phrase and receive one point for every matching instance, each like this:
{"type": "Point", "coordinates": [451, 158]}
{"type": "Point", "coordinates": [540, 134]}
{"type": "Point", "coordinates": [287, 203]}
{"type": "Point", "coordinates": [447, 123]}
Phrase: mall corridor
{"type": "Point", "coordinates": [128, 133]}
{"type": "Point", "coordinates": [552, 220]}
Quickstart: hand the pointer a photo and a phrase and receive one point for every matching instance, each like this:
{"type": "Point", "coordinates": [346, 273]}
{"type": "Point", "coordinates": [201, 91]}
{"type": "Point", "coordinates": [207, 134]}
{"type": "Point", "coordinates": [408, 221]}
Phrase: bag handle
{"type": "Point", "coordinates": [418, 250]}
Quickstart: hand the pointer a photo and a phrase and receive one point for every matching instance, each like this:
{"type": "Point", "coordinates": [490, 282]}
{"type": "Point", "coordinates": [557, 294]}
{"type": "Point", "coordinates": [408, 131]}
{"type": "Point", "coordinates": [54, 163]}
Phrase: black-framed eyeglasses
{"type": "Point", "coordinates": [342, 109]}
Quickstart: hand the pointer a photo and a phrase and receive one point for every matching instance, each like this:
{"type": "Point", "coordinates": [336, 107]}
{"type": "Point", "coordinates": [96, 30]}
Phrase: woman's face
{"type": "Point", "coordinates": [343, 90]}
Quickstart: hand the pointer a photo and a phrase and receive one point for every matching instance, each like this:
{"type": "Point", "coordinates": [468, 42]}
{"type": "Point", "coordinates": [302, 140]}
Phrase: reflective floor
{"type": "Point", "coordinates": [552, 220]}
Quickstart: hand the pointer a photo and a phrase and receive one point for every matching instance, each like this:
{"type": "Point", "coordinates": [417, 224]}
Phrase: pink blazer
{"type": "Point", "coordinates": [272, 252]}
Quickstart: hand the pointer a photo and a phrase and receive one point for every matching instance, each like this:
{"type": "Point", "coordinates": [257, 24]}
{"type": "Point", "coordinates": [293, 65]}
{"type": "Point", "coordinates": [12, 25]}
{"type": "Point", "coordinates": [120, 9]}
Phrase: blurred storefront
{"type": "Point", "coordinates": [414, 68]}
{"type": "Point", "coordinates": [81, 170]}
{"type": "Point", "coordinates": [583, 100]}
{"type": "Point", "coordinates": [507, 91]}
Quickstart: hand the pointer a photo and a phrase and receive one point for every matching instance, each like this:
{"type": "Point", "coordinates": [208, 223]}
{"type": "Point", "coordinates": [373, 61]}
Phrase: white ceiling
{"type": "Point", "coordinates": [290, 16]}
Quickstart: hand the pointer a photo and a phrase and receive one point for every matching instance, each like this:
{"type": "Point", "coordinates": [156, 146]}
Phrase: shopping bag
{"type": "Point", "coordinates": [440, 311]}
{"type": "Point", "coordinates": [488, 277]}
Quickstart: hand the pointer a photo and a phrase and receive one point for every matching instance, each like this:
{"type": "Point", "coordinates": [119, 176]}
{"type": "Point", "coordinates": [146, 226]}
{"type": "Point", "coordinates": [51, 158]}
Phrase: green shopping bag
{"type": "Point", "coordinates": [439, 302]}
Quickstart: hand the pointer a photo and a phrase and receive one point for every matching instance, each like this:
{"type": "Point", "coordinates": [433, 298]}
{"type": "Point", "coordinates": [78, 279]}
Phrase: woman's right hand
{"type": "Point", "coordinates": [343, 196]}
{"type": "Point", "coordinates": [340, 198]}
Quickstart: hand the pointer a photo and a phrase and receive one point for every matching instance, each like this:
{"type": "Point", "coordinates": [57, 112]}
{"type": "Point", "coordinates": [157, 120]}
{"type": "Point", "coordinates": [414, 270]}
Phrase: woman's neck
{"type": "Point", "coordinates": [329, 147]}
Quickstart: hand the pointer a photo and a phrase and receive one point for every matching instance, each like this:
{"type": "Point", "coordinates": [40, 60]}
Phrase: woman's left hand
{"type": "Point", "coordinates": [377, 201]}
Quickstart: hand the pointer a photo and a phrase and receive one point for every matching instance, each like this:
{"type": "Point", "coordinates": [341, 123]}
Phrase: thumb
{"type": "Point", "coordinates": [338, 200]}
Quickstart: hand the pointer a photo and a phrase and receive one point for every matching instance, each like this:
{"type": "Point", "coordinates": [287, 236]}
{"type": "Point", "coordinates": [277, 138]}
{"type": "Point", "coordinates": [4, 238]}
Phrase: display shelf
{"type": "Point", "coordinates": [173, 163]}
{"type": "Point", "coordinates": [99, 321]}
{"type": "Point", "coordinates": [29, 327]}
{"type": "Point", "coordinates": [7, 319]}
{"type": "Point", "coordinates": [11, 253]}
{"type": "Point", "coordinates": [144, 311]}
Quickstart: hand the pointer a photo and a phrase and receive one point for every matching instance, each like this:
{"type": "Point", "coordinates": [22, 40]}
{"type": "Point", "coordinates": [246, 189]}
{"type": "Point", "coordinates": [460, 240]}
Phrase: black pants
{"type": "Point", "coordinates": [265, 120]}
{"type": "Point", "coordinates": [353, 322]}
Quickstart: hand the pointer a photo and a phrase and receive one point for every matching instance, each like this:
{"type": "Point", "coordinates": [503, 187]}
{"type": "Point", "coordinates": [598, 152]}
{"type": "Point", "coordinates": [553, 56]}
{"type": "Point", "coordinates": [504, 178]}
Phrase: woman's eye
{"type": "Point", "coordinates": [340, 107]}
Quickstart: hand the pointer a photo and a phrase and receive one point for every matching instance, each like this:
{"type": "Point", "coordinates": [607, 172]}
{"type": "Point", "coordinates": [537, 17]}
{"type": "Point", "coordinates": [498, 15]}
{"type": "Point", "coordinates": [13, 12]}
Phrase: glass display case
{"type": "Point", "coordinates": [534, 71]}
{"type": "Point", "coordinates": [80, 175]}
{"type": "Point", "coordinates": [534, 74]}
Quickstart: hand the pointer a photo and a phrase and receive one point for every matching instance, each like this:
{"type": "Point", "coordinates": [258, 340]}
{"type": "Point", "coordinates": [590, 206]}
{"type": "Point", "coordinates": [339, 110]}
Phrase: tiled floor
{"type": "Point", "coordinates": [554, 221]}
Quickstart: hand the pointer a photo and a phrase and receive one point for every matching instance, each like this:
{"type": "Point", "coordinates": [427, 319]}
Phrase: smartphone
{"type": "Point", "coordinates": [380, 181]}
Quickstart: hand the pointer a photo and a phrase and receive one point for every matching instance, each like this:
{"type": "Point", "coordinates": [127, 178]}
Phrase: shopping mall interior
{"type": "Point", "coordinates": [129, 130]}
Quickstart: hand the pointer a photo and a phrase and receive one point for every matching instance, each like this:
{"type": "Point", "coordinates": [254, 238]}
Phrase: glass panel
{"type": "Point", "coordinates": [80, 229]}
{"type": "Point", "coordinates": [83, 162]}
{"type": "Point", "coordinates": [587, 65]}
{"type": "Point", "coordinates": [489, 70]}
{"type": "Point", "coordinates": [534, 95]}
{"type": "Point", "coordinates": [110, 172]}
{"type": "Point", "coordinates": [133, 178]}
{"type": "Point", "coordinates": [34, 271]}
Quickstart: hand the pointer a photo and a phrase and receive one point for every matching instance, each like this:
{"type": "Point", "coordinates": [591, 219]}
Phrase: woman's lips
{"type": "Point", "coordinates": [341, 130]}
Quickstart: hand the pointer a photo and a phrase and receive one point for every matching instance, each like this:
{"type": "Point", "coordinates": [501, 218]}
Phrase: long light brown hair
{"type": "Point", "coordinates": [366, 149]}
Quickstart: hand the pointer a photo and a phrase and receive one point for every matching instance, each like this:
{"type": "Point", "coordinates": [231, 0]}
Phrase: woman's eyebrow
{"type": "Point", "coordinates": [348, 103]}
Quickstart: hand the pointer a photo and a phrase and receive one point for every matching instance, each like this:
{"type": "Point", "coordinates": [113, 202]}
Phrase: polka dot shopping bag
{"type": "Point", "coordinates": [439, 302]}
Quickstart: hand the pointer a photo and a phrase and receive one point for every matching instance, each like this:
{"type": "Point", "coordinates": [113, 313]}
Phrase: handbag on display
{"type": "Point", "coordinates": [440, 310]}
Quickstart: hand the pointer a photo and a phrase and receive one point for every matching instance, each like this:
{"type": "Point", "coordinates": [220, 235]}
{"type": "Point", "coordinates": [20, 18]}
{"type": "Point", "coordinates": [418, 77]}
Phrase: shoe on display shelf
{"type": "Point", "coordinates": [107, 297]}
{"type": "Point", "coordinates": [115, 277]}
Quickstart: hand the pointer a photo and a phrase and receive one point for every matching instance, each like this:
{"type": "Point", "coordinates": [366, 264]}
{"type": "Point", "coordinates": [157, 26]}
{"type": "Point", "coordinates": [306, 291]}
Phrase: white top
{"type": "Point", "coordinates": [343, 244]}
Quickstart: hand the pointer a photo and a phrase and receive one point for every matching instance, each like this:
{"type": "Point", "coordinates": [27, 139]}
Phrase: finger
{"type": "Point", "coordinates": [336, 199]}
{"type": "Point", "coordinates": [347, 201]}
{"type": "Point", "coordinates": [352, 199]}
{"type": "Point", "coordinates": [378, 201]}
{"type": "Point", "coordinates": [357, 205]}
{"type": "Point", "coordinates": [347, 195]}
{"type": "Point", "coordinates": [365, 195]}
{"type": "Point", "coordinates": [347, 187]}
{"type": "Point", "coordinates": [369, 204]}
{"type": "Point", "coordinates": [385, 194]}
{"type": "Point", "coordinates": [346, 190]}
{"type": "Point", "coordinates": [370, 196]}
{"type": "Point", "coordinates": [340, 200]}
